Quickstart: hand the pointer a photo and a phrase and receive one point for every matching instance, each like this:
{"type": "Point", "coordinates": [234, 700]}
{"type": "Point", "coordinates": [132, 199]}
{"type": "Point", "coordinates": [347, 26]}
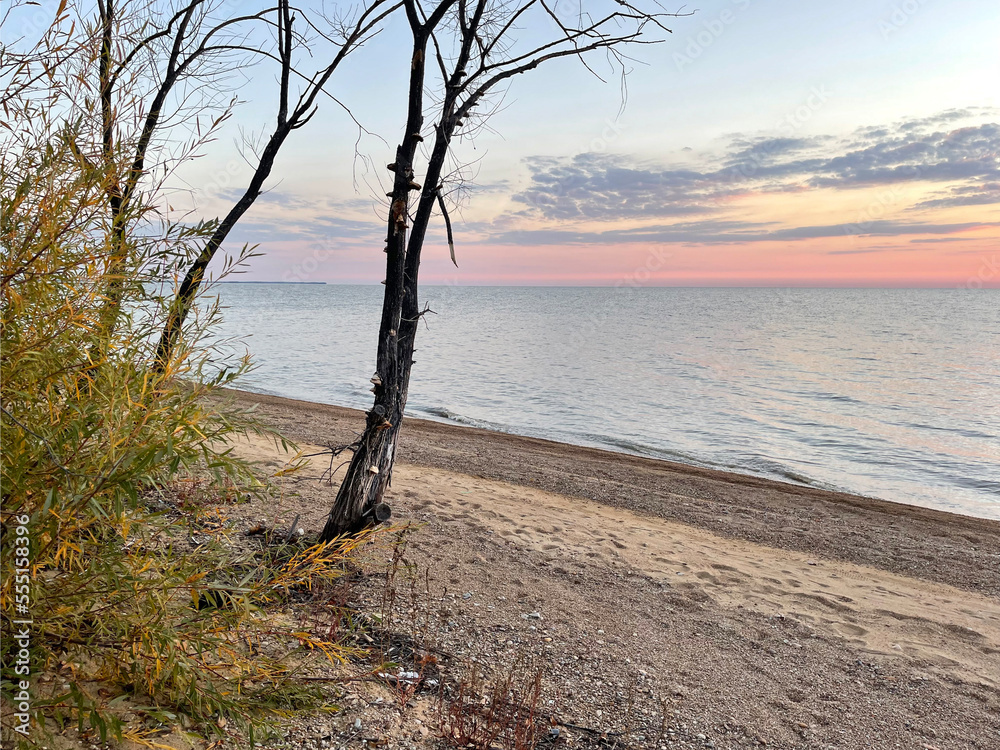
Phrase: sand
{"type": "Point", "coordinates": [765, 611]}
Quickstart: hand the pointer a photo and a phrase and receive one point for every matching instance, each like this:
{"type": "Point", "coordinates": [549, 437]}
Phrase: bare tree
{"type": "Point", "coordinates": [158, 71]}
{"type": "Point", "coordinates": [291, 115]}
{"type": "Point", "coordinates": [475, 48]}
{"type": "Point", "coordinates": [142, 67]}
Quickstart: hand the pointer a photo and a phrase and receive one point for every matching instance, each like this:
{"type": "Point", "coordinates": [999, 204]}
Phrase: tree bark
{"type": "Point", "coordinates": [370, 471]}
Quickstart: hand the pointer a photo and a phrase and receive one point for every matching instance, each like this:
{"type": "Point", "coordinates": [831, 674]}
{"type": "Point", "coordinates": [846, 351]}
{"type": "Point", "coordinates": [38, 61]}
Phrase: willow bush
{"type": "Point", "coordinates": [94, 440]}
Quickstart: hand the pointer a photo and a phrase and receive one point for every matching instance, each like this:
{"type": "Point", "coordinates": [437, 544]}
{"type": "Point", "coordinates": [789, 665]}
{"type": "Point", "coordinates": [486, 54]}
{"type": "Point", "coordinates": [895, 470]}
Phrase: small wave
{"type": "Point", "coordinates": [964, 432]}
{"type": "Point", "coordinates": [753, 465]}
{"type": "Point", "coordinates": [246, 385]}
{"type": "Point", "coordinates": [442, 413]}
{"type": "Point", "coordinates": [760, 466]}
{"type": "Point", "coordinates": [623, 445]}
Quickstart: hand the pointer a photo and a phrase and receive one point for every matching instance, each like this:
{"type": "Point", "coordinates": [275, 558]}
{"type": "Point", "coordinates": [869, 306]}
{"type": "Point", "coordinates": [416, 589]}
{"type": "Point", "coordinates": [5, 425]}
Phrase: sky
{"type": "Point", "coordinates": [764, 143]}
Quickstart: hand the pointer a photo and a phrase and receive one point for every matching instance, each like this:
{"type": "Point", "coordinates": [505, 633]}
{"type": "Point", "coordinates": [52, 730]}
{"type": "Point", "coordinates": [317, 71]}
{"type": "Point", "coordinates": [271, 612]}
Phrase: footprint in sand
{"type": "Point", "coordinates": [963, 632]}
{"type": "Point", "coordinates": [796, 696]}
{"type": "Point", "coordinates": [849, 630]}
{"type": "Point", "coordinates": [890, 592]}
{"type": "Point", "coordinates": [927, 653]}
{"type": "Point", "coordinates": [828, 603]}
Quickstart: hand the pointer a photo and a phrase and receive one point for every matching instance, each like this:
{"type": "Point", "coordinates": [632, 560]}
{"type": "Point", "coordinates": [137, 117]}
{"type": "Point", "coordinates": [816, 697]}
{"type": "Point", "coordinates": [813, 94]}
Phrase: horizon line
{"type": "Point", "coordinates": [984, 287]}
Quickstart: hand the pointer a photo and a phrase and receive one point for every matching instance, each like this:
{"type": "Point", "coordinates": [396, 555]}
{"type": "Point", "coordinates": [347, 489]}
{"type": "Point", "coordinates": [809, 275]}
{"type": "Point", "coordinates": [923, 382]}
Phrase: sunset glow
{"type": "Point", "coordinates": [761, 144]}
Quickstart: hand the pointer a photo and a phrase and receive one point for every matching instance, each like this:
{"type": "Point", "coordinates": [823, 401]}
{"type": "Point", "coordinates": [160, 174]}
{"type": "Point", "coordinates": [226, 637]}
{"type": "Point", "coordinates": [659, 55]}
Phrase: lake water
{"type": "Point", "coordinates": [888, 393]}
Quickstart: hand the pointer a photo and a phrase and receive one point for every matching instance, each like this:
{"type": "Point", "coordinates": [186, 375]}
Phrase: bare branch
{"type": "Point", "coordinates": [447, 226]}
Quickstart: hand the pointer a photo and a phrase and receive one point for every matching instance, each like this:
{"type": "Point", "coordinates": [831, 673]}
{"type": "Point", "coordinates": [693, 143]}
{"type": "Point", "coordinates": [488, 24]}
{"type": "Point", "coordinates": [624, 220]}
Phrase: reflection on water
{"type": "Point", "coordinates": [891, 393]}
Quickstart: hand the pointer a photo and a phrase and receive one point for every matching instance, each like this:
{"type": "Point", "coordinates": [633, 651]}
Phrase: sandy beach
{"type": "Point", "coordinates": [760, 613]}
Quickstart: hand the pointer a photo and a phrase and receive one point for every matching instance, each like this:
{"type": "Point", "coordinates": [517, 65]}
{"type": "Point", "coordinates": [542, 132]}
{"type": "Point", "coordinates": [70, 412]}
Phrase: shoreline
{"type": "Point", "coordinates": [610, 446]}
{"type": "Point", "coordinates": [937, 545]}
{"type": "Point", "coordinates": [656, 600]}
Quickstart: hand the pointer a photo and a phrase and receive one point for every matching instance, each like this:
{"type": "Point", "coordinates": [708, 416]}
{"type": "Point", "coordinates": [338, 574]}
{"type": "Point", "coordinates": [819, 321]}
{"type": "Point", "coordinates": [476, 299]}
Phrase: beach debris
{"type": "Point", "coordinates": [402, 678]}
{"type": "Point", "coordinates": [292, 530]}
{"type": "Point", "coordinates": [380, 513]}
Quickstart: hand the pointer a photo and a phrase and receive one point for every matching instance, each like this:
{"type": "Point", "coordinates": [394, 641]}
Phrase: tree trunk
{"type": "Point", "coordinates": [484, 61]}
{"type": "Point", "coordinates": [371, 465]}
{"type": "Point", "coordinates": [370, 470]}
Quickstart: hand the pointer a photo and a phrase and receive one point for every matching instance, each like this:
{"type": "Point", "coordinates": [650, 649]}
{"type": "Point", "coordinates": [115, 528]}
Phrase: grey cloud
{"type": "Point", "coordinates": [278, 216]}
{"type": "Point", "coordinates": [598, 186]}
{"type": "Point", "coordinates": [727, 232]}
{"type": "Point", "coordinates": [761, 150]}
{"type": "Point", "coordinates": [947, 117]}
{"type": "Point", "coordinates": [961, 154]}
{"type": "Point", "coordinates": [601, 187]}
{"type": "Point", "coordinates": [318, 229]}
{"type": "Point", "coordinates": [966, 195]}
